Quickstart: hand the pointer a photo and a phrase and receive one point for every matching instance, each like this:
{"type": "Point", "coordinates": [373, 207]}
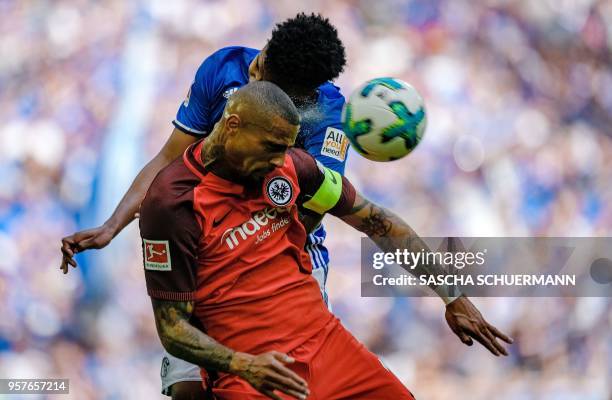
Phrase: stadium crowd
{"type": "Point", "coordinates": [519, 101]}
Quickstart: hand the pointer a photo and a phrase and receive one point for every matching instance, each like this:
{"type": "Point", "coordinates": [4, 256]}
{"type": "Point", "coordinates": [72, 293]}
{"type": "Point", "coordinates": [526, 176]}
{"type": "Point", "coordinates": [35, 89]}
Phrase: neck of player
{"type": "Point", "coordinates": [214, 160]}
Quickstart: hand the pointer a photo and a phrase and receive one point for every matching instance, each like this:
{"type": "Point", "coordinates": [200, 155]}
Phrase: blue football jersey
{"type": "Point", "coordinates": [226, 70]}
{"type": "Point", "coordinates": [320, 134]}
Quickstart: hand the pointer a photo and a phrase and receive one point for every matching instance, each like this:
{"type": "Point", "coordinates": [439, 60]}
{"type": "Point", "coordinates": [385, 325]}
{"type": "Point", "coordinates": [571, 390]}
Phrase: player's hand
{"type": "Point", "coordinates": [95, 238]}
{"type": "Point", "coordinates": [267, 372]}
{"type": "Point", "coordinates": [467, 323]}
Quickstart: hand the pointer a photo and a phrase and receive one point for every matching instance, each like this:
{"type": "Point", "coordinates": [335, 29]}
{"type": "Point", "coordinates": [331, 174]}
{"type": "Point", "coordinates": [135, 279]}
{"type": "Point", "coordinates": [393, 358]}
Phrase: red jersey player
{"type": "Point", "coordinates": [226, 269]}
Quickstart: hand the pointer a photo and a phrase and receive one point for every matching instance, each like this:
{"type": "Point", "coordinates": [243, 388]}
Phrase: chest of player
{"type": "Point", "coordinates": [248, 246]}
{"type": "Point", "coordinates": [250, 227]}
{"type": "Point", "coordinates": [242, 229]}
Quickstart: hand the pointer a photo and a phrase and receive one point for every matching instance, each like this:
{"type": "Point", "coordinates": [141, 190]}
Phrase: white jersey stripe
{"type": "Point", "coordinates": [316, 254]}
{"type": "Point", "coordinates": [188, 128]}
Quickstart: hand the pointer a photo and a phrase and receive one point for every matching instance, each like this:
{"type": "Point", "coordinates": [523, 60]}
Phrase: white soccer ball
{"type": "Point", "coordinates": [384, 119]}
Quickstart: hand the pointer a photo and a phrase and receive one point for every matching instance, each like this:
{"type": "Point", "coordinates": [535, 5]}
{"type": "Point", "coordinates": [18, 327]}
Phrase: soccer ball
{"type": "Point", "coordinates": [384, 119]}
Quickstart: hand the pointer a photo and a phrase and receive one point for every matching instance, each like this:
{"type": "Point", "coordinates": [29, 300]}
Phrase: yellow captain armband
{"type": "Point", "coordinates": [328, 194]}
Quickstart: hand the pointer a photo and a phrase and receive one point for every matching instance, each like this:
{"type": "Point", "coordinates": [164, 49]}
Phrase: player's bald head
{"type": "Point", "coordinates": [263, 103]}
{"type": "Point", "coordinates": [260, 123]}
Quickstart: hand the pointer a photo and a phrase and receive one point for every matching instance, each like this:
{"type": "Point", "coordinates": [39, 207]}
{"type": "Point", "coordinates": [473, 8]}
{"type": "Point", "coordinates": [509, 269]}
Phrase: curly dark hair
{"type": "Point", "coordinates": [304, 52]}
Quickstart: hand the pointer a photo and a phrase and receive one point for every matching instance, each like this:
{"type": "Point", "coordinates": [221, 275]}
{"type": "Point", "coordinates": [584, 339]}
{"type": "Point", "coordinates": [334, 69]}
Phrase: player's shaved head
{"type": "Point", "coordinates": [262, 103]}
{"type": "Point", "coordinates": [260, 123]}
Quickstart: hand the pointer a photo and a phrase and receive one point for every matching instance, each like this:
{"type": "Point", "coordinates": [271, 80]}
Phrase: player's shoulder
{"type": "Point", "coordinates": [331, 91]}
{"type": "Point", "coordinates": [331, 100]}
{"type": "Point", "coordinates": [230, 56]}
{"type": "Point", "coordinates": [173, 186]}
{"type": "Point", "coordinates": [296, 153]}
{"type": "Point", "coordinates": [302, 160]}
{"type": "Point", "coordinates": [226, 66]}
{"type": "Point", "coordinates": [167, 211]}
{"type": "Point", "coordinates": [234, 52]}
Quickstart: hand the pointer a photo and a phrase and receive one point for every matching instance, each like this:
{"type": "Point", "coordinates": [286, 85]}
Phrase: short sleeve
{"type": "Point", "coordinates": [322, 190]}
{"type": "Point", "coordinates": [194, 114]}
{"type": "Point", "coordinates": [326, 141]}
{"type": "Point", "coordinates": [170, 237]}
{"type": "Point", "coordinates": [329, 147]}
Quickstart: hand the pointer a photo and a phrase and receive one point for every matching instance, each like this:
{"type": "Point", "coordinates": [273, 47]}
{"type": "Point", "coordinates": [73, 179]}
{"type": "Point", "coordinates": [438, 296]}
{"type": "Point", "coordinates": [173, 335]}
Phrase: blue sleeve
{"type": "Point", "coordinates": [194, 115]}
{"type": "Point", "coordinates": [329, 147]}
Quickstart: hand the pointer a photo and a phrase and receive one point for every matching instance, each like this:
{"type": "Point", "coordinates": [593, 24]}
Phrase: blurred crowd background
{"type": "Point", "coordinates": [519, 143]}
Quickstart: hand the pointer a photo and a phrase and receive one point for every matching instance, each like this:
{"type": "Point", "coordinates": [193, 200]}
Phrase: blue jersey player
{"type": "Point", "coordinates": [230, 68]}
{"type": "Point", "coordinates": [302, 56]}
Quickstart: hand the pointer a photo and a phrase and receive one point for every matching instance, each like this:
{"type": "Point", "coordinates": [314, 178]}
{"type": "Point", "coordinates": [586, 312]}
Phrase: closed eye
{"type": "Point", "coordinates": [276, 147]}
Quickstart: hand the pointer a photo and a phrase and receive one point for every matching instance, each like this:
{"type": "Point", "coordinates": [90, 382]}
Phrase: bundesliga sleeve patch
{"type": "Point", "coordinates": [335, 144]}
{"type": "Point", "coordinates": [157, 255]}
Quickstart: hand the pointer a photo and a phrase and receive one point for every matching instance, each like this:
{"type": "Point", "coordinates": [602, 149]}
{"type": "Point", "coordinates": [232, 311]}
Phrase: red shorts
{"type": "Point", "coordinates": [335, 365]}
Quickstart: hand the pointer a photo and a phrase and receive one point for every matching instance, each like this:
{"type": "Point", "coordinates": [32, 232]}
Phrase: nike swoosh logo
{"type": "Point", "coordinates": [217, 222]}
{"type": "Point", "coordinates": [333, 178]}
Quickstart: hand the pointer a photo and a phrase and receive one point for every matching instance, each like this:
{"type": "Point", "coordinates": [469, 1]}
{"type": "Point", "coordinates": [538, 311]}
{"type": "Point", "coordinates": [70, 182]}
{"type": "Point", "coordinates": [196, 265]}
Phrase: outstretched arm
{"type": "Point", "coordinates": [97, 238]}
{"type": "Point", "coordinates": [390, 232]}
{"type": "Point", "coordinates": [325, 191]}
{"type": "Point", "coordinates": [265, 372]}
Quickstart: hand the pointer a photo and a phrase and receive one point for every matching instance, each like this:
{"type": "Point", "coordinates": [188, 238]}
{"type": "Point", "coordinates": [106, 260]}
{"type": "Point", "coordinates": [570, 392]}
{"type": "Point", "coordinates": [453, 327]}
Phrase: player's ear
{"type": "Point", "coordinates": [232, 123]}
{"type": "Point", "coordinates": [255, 73]}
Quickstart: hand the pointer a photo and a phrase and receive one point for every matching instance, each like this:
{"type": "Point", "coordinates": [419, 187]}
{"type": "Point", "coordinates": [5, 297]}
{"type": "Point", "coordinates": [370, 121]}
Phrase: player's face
{"type": "Point", "coordinates": [254, 150]}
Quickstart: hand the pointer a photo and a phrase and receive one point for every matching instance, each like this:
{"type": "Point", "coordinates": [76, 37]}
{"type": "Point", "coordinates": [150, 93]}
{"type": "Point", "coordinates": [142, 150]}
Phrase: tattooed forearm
{"type": "Point", "coordinates": [377, 223]}
{"type": "Point", "coordinates": [183, 340]}
{"type": "Point", "coordinates": [359, 205]}
{"type": "Point", "coordinates": [391, 233]}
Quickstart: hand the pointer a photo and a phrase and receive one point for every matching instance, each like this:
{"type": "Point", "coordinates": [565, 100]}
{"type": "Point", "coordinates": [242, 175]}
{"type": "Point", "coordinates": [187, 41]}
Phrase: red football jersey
{"type": "Point", "coordinates": [237, 253]}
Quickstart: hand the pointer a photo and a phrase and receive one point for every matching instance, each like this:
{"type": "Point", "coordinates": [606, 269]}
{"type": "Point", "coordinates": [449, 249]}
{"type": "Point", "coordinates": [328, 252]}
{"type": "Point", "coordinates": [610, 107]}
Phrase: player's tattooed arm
{"type": "Point", "coordinates": [390, 233]}
{"type": "Point", "coordinates": [266, 372]}
{"type": "Point", "coordinates": [183, 340]}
